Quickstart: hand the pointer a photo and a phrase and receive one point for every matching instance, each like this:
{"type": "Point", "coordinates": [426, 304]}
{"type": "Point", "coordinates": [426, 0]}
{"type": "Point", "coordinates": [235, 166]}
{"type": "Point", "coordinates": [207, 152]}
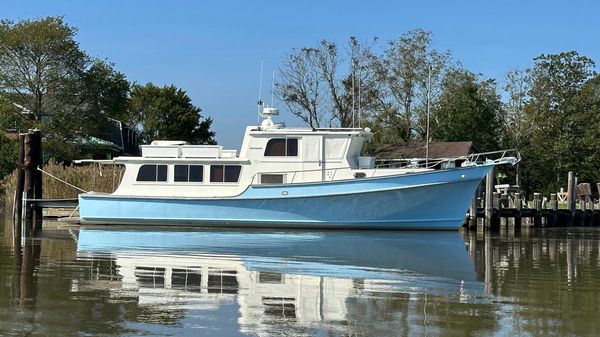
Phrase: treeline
{"type": "Point", "coordinates": [48, 82]}
{"type": "Point", "coordinates": [549, 112]}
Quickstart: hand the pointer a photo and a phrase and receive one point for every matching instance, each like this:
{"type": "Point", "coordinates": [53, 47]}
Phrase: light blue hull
{"type": "Point", "coordinates": [430, 200]}
{"type": "Point", "coordinates": [348, 254]}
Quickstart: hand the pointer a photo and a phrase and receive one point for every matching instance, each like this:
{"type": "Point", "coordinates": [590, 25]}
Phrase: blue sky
{"type": "Point", "coordinates": [213, 49]}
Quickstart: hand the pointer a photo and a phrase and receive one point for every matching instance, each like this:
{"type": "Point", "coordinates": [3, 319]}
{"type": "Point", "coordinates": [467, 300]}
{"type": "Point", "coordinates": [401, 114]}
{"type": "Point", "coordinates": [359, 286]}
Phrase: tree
{"type": "Point", "coordinates": [314, 88]}
{"type": "Point", "coordinates": [554, 108]}
{"type": "Point", "coordinates": [517, 128]}
{"type": "Point", "coordinates": [301, 86]}
{"type": "Point", "coordinates": [106, 91]}
{"type": "Point", "coordinates": [468, 109]}
{"type": "Point", "coordinates": [168, 113]}
{"type": "Point", "coordinates": [38, 59]}
{"type": "Point", "coordinates": [405, 68]}
{"type": "Point", "coordinates": [586, 107]}
{"type": "Point", "coordinates": [50, 84]}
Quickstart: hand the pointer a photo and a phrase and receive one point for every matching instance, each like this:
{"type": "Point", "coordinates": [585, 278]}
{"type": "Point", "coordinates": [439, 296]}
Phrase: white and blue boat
{"type": "Point", "coordinates": [285, 177]}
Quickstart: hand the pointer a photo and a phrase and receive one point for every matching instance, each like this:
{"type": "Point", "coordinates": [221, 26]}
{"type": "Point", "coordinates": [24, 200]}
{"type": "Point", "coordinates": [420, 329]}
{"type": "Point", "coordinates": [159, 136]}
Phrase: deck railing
{"type": "Point", "coordinates": [510, 156]}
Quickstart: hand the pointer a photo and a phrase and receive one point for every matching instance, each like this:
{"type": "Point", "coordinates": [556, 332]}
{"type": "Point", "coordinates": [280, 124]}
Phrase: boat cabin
{"type": "Point", "coordinates": [270, 154]}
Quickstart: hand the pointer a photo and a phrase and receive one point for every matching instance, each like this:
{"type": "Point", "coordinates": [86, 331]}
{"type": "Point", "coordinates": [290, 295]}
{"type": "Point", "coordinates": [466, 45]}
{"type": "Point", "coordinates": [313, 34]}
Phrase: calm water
{"type": "Point", "coordinates": [153, 282]}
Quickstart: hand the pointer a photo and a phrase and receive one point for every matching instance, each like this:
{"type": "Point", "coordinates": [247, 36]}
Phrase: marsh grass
{"type": "Point", "coordinates": [93, 177]}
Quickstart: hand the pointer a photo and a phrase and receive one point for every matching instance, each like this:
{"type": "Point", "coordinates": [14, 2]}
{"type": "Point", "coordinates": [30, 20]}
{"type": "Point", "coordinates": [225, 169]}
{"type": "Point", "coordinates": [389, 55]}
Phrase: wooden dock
{"type": "Point", "coordinates": [494, 209]}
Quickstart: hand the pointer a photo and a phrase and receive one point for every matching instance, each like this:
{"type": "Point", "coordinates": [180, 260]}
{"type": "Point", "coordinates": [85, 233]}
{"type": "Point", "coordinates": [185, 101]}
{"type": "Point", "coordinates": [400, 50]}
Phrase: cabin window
{"type": "Point", "coordinates": [152, 172]}
{"type": "Point", "coordinates": [271, 178]}
{"type": "Point", "coordinates": [225, 173]}
{"type": "Point", "coordinates": [282, 147]}
{"type": "Point", "coordinates": [189, 173]}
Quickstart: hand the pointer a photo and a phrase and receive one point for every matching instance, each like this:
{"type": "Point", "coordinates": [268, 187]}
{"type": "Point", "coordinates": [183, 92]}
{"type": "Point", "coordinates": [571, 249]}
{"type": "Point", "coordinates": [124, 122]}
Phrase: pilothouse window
{"type": "Point", "coordinates": [282, 147]}
{"type": "Point", "coordinates": [152, 172]}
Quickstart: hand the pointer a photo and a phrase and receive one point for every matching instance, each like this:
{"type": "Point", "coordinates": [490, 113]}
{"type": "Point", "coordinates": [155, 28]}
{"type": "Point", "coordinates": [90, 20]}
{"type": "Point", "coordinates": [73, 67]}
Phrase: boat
{"type": "Point", "coordinates": [286, 177]}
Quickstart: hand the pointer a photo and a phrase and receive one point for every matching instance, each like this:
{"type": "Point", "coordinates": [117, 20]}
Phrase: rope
{"type": "Point", "coordinates": [75, 210]}
{"type": "Point", "coordinates": [62, 181]}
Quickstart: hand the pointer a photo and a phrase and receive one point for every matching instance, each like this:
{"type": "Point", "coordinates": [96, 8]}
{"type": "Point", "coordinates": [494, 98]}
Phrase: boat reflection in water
{"type": "Point", "coordinates": [279, 280]}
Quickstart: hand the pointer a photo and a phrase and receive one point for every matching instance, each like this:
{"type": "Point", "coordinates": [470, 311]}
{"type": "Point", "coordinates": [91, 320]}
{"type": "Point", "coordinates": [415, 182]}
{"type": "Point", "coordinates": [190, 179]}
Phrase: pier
{"type": "Point", "coordinates": [502, 209]}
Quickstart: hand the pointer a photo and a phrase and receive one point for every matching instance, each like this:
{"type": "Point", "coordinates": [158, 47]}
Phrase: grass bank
{"type": "Point", "coordinates": [93, 177]}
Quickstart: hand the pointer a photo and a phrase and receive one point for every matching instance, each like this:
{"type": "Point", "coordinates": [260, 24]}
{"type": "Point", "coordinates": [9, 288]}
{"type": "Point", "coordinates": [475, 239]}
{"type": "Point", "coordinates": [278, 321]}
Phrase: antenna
{"type": "Point", "coordinates": [359, 99]}
{"type": "Point", "coordinates": [352, 86]}
{"type": "Point", "coordinates": [272, 88]}
{"type": "Point", "coordinates": [259, 103]}
{"type": "Point", "coordinates": [428, 107]}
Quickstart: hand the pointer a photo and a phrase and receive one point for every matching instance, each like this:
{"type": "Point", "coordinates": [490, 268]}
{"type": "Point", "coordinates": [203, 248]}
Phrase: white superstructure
{"type": "Point", "coordinates": [270, 154]}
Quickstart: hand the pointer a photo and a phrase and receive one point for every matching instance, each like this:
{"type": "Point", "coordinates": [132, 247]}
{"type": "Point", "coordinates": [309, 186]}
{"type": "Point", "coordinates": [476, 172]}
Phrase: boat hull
{"type": "Point", "coordinates": [430, 200]}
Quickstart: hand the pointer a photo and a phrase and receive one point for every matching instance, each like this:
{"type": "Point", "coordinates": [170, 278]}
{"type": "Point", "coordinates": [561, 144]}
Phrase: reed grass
{"type": "Point", "coordinates": [93, 177]}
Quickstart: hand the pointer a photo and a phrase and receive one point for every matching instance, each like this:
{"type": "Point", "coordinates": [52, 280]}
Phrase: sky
{"type": "Point", "coordinates": [213, 49]}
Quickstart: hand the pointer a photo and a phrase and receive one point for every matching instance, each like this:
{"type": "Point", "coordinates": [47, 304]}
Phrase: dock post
{"type": "Point", "coordinates": [595, 213]}
{"type": "Point", "coordinates": [571, 197]}
{"type": "Point", "coordinates": [29, 180]}
{"type": "Point", "coordinates": [495, 223]}
{"type": "Point", "coordinates": [37, 162]}
{"type": "Point", "coordinates": [518, 207]}
{"type": "Point", "coordinates": [32, 159]}
{"type": "Point", "coordinates": [18, 202]}
{"type": "Point", "coordinates": [581, 211]}
{"type": "Point", "coordinates": [554, 208]}
{"type": "Point", "coordinates": [472, 223]}
{"type": "Point", "coordinates": [537, 204]}
{"type": "Point", "coordinates": [489, 189]}
{"type": "Point", "coordinates": [591, 211]}
{"type": "Point", "coordinates": [503, 204]}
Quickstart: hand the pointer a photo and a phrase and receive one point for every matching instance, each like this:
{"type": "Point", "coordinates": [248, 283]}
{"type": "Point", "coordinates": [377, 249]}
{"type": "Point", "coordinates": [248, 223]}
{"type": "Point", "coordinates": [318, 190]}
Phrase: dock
{"type": "Point", "coordinates": [495, 210]}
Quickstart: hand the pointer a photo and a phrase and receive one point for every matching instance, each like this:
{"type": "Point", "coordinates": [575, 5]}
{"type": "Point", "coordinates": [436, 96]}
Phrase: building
{"type": "Point", "coordinates": [414, 153]}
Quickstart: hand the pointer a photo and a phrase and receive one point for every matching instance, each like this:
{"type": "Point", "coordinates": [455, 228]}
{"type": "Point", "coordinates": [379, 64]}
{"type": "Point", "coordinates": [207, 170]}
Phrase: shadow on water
{"type": "Point", "coordinates": [158, 281]}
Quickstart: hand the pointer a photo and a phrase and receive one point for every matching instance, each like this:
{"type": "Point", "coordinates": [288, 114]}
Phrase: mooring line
{"type": "Point", "coordinates": [62, 181]}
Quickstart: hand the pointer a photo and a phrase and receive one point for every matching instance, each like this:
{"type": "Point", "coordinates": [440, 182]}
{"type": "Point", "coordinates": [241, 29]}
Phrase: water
{"type": "Point", "coordinates": [155, 282]}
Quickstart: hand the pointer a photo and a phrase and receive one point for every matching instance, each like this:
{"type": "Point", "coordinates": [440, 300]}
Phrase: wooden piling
{"type": "Point", "coordinates": [29, 179]}
{"type": "Point", "coordinates": [537, 205]}
{"type": "Point", "coordinates": [518, 207]}
{"type": "Point", "coordinates": [28, 170]}
{"type": "Point", "coordinates": [38, 160]}
{"type": "Point", "coordinates": [495, 220]}
{"type": "Point", "coordinates": [581, 219]}
{"type": "Point", "coordinates": [554, 208]}
{"type": "Point", "coordinates": [571, 197]}
{"type": "Point", "coordinates": [18, 202]}
{"type": "Point", "coordinates": [489, 189]}
{"type": "Point", "coordinates": [472, 222]}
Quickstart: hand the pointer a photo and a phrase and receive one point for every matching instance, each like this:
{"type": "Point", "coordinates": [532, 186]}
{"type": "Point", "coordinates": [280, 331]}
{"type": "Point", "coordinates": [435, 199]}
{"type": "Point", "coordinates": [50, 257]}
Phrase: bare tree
{"type": "Point", "coordinates": [517, 87]}
{"type": "Point", "coordinates": [317, 83]}
{"type": "Point", "coordinates": [301, 86]}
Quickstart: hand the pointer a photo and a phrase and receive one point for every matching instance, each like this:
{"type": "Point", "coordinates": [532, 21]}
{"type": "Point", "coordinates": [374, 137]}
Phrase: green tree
{"type": "Point", "coordinates": [585, 121]}
{"type": "Point", "coordinates": [51, 84]}
{"type": "Point", "coordinates": [404, 68]}
{"type": "Point", "coordinates": [38, 59]}
{"type": "Point", "coordinates": [168, 113]}
{"type": "Point", "coordinates": [106, 91]}
{"type": "Point", "coordinates": [468, 109]}
{"type": "Point", "coordinates": [559, 112]}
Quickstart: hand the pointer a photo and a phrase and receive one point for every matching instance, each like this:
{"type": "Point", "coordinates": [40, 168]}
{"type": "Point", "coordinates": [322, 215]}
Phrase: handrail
{"type": "Point", "coordinates": [509, 156]}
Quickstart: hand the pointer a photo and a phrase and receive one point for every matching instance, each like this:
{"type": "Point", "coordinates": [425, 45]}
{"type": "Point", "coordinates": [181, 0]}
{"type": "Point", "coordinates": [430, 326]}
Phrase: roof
{"type": "Point", "coordinates": [417, 150]}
